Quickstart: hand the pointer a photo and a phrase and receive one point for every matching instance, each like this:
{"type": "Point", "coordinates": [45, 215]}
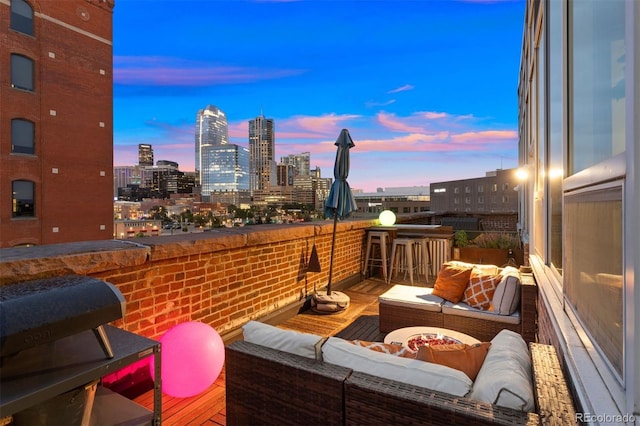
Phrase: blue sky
{"type": "Point", "coordinates": [426, 88]}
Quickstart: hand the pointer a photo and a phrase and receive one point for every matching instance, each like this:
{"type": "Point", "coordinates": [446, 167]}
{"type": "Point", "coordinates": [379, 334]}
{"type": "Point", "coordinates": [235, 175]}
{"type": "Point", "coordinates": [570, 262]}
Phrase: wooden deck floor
{"type": "Point", "coordinates": [208, 408]}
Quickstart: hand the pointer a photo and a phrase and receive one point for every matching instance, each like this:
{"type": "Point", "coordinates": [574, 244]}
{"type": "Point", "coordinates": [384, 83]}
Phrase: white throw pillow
{"type": "Point", "coordinates": [506, 298]}
{"type": "Point", "coordinates": [406, 370]}
{"type": "Point", "coordinates": [505, 378]}
{"type": "Point", "coordinates": [303, 344]}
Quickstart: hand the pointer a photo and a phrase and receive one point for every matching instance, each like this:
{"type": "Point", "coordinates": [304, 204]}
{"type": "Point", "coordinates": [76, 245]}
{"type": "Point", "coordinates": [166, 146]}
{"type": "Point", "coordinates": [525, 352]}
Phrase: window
{"type": "Point", "coordinates": [21, 72]}
{"type": "Point", "coordinates": [593, 282]}
{"type": "Point", "coordinates": [555, 131]}
{"type": "Point", "coordinates": [22, 136]}
{"type": "Point", "coordinates": [597, 83]}
{"type": "Point", "coordinates": [467, 190]}
{"type": "Point", "coordinates": [21, 17]}
{"type": "Point", "coordinates": [480, 188]}
{"type": "Point", "coordinates": [23, 198]}
{"type": "Point", "coordinates": [456, 190]}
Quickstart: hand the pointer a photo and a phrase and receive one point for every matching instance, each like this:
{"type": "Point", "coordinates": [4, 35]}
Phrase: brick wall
{"type": "Point", "coordinates": [222, 278]}
{"type": "Point", "coordinates": [71, 107]}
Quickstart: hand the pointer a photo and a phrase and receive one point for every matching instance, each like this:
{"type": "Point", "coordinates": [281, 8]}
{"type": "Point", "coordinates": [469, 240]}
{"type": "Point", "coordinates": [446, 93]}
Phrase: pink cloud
{"type": "Point", "coordinates": [435, 115]}
{"type": "Point", "coordinates": [161, 71]}
{"type": "Point", "coordinates": [327, 124]}
{"type": "Point", "coordinates": [486, 136]}
{"type": "Point", "coordinates": [391, 122]}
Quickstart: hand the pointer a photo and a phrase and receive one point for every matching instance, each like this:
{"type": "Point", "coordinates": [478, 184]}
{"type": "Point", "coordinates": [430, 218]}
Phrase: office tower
{"type": "Point", "coordinates": [145, 155]}
{"type": "Point", "coordinates": [286, 173]}
{"type": "Point", "coordinates": [225, 168]}
{"type": "Point", "coordinates": [211, 130]}
{"type": "Point", "coordinates": [262, 166]}
{"type": "Point", "coordinates": [124, 176]}
{"type": "Point", "coordinates": [301, 163]}
{"type": "Point", "coordinates": [56, 121]}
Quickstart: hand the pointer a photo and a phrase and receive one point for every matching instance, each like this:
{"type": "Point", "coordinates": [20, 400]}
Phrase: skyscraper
{"type": "Point", "coordinates": [145, 154]}
{"type": "Point", "coordinates": [301, 163]}
{"type": "Point", "coordinates": [211, 130]}
{"type": "Point", "coordinates": [56, 171]}
{"type": "Point", "coordinates": [225, 168]}
{"type": "Point", "coordinates": [262, 166]}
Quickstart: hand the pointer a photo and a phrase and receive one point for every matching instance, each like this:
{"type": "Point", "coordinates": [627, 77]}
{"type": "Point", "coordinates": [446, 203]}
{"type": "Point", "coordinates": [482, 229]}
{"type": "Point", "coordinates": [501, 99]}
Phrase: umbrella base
{"type": "Point", "coordinates": [334, 303]}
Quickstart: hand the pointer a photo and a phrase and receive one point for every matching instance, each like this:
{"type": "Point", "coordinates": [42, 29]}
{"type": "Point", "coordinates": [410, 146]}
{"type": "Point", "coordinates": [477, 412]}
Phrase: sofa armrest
{"type": "Point", "coordinates": [553, 400]}
{"type": "Point", "coordinates": [528, 307]}
{"type": "Point", "coordinates": [267, 386]}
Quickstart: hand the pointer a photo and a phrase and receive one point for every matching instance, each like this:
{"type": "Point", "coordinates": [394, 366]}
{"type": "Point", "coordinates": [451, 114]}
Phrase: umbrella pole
{"type": "Point", "coordinates": [333, 247]}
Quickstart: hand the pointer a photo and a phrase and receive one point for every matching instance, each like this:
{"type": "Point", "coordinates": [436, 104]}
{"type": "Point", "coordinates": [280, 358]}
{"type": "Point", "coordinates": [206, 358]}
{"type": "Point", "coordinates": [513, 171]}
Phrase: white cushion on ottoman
{"type": "Point", "coordinates": [412, 297]}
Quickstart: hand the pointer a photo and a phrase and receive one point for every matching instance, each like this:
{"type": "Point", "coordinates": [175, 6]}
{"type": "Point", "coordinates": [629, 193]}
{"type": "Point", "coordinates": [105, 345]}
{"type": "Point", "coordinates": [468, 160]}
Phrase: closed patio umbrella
{"type": "Point", "coordinates": [338, 205]}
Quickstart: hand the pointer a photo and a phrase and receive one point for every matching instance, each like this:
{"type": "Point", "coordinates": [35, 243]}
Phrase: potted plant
{"type": "Point", "coordinates": [495, 248]}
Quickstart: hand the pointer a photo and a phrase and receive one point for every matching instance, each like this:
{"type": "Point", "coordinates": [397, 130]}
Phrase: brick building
{"type": "Point", "coordinates": [56, 121]}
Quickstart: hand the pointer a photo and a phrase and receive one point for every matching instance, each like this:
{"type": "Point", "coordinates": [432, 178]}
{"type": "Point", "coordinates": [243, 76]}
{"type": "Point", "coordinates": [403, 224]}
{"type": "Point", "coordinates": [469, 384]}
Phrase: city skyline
{"type": "Point", "coordinates": [428, 90]}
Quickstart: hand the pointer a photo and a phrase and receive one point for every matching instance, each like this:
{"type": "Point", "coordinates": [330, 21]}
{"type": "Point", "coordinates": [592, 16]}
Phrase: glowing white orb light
{"type": "Point", "coordinates": [192, 356]}
{"type": "Point", "coordinates": [387, 218]}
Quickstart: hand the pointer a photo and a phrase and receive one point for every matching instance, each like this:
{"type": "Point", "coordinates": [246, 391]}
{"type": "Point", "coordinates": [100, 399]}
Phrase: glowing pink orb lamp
{"type": "Point", "coordinates": [192, 356]}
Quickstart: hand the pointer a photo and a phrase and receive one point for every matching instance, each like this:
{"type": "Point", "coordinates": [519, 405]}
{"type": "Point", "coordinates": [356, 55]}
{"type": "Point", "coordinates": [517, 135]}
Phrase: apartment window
{"type": "Point", "coordinates": [22, 136]}
{"type": "Point", "coordinates": [456, 190]}
{"type": "Point", "coordinates": [467, 200]}
{"type": "Point", "coordinates": [21, 17]}
{"type": "Point", "coordinates": [23, 198]}
{"type": "Point", "coordinates": [597, 83]}
{"type": "Point", "coordinates": [594, 283]}
{"type": "Point", "coordinates": [505, 186]}
{"type": "Point", "coordinates": [555, 132]}
{"type": "Point", "coordinates": [593, 210]}
{"type": "Point", "coordinates": [480, 188]}
{"type": "Point", "coordinates": [467, 190]}
{"type": "Point", "coordinates": [480, 200]}
{"type": "Point", "coordinates": [21, 72]}
{"type": "Point", "coordinates": [494, 187]}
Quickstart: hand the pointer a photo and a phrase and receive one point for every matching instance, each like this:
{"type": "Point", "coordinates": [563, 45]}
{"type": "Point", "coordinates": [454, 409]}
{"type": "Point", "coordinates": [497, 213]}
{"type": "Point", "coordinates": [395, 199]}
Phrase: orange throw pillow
{"type": "Point", "coordinates": [479, 292]}
{"type": "Point", "coordinates": [451, 282]}
{"type": "Point", "coordinates": [397, 350]}
{"type": "Point", "coordinates": [463, 357]}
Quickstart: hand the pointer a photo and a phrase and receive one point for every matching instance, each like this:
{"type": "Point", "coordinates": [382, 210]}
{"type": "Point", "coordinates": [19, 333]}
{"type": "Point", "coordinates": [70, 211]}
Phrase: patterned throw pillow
{"type": "Point", "coordinates": [451, 282]}
{"type": "Point", "coordinates": [479, 292]}
{"type": "Point", "coordinates": [397, 350]}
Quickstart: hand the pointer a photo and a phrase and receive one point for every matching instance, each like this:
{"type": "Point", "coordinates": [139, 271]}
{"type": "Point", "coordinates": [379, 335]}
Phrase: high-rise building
{"type": "Point", "coordinates": [211, 130]}
{"type": "Point", "coordinates": [145, 155]}
{"type": "Point", "coordinates": [124, 176]}
{"type": "Point", "coordinates": [224, 168]}
{"type": "Point", "coordinates": [56, 132]}
{"type": "Point", "coordinates": [300, 162]}
{"type": "Point", "coordinates": [262, 165]}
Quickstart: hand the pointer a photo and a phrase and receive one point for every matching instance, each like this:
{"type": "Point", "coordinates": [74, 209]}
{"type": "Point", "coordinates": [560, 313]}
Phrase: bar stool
{"type": "Point", "coordinates": [377, 243]}
{"type": "Point", "coordinates": [424, 255]}
{"type": "Point", "coordinates": [407, 252]}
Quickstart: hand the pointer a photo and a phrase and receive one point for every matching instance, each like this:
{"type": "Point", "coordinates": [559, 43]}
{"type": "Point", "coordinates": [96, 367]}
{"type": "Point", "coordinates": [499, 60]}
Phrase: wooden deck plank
{"type": "Point", "coordinates": [360, 319]}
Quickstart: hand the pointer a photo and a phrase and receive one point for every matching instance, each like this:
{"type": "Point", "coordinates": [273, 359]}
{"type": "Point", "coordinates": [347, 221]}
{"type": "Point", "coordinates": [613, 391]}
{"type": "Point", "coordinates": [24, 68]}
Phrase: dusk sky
{"type": "Point", "coordinates": [426, 88]}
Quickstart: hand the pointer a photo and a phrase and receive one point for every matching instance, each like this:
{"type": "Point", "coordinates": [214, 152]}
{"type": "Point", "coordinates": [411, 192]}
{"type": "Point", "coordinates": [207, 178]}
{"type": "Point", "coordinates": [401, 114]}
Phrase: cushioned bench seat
{"type": "Point", "coordinates": [407, 306]}
{"type": "Point", "coordinates": [402, 303]}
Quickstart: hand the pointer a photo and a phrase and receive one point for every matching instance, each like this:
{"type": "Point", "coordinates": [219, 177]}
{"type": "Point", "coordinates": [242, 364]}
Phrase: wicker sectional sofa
{"type": "Point", "coordinates": [406, 306]}
{"type": "Point", "coordinates": [271, 386]}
